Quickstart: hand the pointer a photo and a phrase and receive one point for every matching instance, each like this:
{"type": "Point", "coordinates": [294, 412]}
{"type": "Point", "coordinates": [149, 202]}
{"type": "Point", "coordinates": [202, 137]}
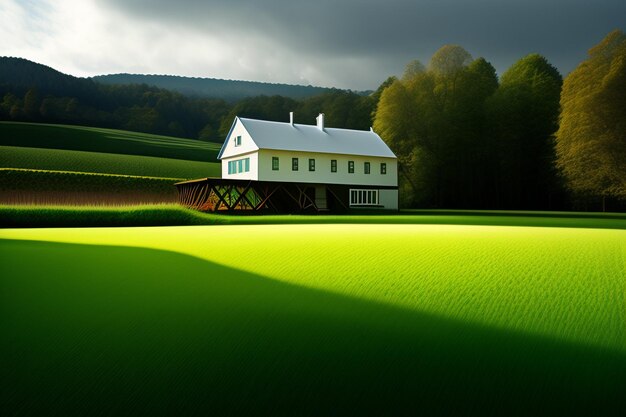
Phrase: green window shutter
{"type": "Point", "coordinates": [275, 163]}
{"type": "Point", "coordinates": [311, 164]}
{"type": "Point", "coordinates": [247, 162]}
{"type": "Point", "coordinates": [383, 168]}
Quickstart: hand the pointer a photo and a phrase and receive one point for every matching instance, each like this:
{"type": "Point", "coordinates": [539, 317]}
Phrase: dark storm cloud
{"type": "Point", "coordinates": [389, 33]}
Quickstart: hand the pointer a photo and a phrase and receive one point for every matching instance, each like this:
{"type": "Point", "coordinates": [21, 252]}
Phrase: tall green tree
{"type": "Point", "coordinates": [524, 116]}
{"type": "Point", "coordinates": [31, 104]}
{"type": "Point", "coordinates": [397, 122]}
{"type": "Point", "coordinates": [433, 119]}
{"type": "Point", "coordinates": [591, 141]}
{"type": "Point", "coordinates": [375, 96]}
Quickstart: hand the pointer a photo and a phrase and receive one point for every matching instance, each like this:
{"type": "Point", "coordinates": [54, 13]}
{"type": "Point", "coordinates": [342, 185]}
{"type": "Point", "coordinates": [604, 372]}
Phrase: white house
{"type": "Point", "coordinates": [323, 157]}
{"type": "Point", "coordinates": [288, 167]}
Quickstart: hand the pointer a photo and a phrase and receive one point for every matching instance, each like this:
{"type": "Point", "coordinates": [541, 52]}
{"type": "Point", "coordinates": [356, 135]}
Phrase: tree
{"type": "Point", "coordinates": [375, 96]}
{"type": "Point", "coordinates": [275, 108]}
{"type": "Point", "coordinates": [434, 121]}
{"type": "Point", "coordinates": [449, 60]}
{"type": "Point", "coordinates": [207, 133]}
{"type": "Point", "coordinates": [31, 104]}
{"type": "Point", "coordinates": [342, 108]}
{"type": "Point", "coordinates": [524, 118]}
{"type": "Point", "coordinates": [395, 122]}
{"type": "Point", "coordinates": [411, 70]}
{"type": "Point", "coordinates": [8, 101]}
{"type": "Point", "coordinates": [591, 141]}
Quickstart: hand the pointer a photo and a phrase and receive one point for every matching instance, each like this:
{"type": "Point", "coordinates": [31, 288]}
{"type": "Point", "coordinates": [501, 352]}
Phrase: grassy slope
{"type": "Point", "coordinates": [98, 162]}
{"type": "Point", "coordinates": [92, 139]}
{"type": "Point", "coordinates": [382, 319]}
{"type": "Point", "coordinates": [60, 181]}
{"type": "Point", "coordinates": [175, 215]}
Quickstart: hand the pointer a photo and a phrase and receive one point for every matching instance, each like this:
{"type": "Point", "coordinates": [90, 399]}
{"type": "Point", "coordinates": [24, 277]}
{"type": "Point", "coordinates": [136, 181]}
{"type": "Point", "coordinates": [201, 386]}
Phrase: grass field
{"type": "Point", "coordinates": [175, 215]}
{"type": "Point", "coordinates": [318, 319]}
{"type": "Point", "coordinates": [107, 163]}
{"type": "Point", "coordinates": [91, 139]}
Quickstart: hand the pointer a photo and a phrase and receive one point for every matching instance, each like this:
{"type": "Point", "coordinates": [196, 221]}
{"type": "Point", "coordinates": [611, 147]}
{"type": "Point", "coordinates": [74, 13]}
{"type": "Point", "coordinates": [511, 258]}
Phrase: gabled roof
{"type": "Point", "coordinates": [310, 138]}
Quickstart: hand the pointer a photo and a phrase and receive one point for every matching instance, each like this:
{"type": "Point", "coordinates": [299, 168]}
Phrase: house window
{"type": "Point", "coordinates": [366, 168]}
{"type": "Point", "coordinates": [383, 168]}
{"type": "Point", "coordinates": [239, 166]}
{"type": "Point", "coordinates": [294, 164]}
{"type": "Point", "coordinates": [333, 165]}
{"type": "Point", "coordinates": [238, 141]}
{"type": "Point", "coordinates": [363, 197]}
{"type": "Point", "coordinates": [274, 163]}
{"type": "Point", "coordinates": [311, 164]}
{"type": "Point", "coordinates": [350, 167]}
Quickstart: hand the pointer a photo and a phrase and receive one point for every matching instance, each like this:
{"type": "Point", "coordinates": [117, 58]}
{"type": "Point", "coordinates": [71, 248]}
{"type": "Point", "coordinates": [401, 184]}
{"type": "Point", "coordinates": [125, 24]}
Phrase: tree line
{"type": "Point", "coordinates": [36, 93]}
{"type": "Point", "coordinates": [142, 108]}
{"type": "Point", "coordinates": [527, 140]}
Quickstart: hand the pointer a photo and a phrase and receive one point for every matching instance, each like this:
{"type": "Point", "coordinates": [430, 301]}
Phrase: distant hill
{"type": "Point", "coordinates": [19, 75]}
{"type": "Point", "coordinates": [230, 90]}
{"type": "Point", "coordinates": [197, 108]}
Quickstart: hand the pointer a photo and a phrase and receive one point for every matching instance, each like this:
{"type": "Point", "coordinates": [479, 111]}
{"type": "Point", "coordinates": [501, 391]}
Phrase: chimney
{"type": "Point", "coordinates": [320, 121]}
{"type": "Point", "coordinates": [291, 118]}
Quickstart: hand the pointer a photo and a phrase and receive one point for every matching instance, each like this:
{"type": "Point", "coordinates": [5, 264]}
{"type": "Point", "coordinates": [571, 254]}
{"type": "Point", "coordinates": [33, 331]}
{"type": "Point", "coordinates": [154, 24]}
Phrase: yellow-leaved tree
{"type": "Point", "coordinates": [591, 140]}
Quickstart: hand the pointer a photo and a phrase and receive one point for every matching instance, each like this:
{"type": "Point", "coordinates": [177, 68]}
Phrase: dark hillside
{"type": "Point", "coordinates": [230, 90]}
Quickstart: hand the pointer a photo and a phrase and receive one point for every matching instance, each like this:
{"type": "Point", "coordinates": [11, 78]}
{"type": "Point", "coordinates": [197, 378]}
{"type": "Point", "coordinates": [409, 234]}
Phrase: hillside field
{"type": "Point", "coordinates": [40, 188]}
{"type": "Point", "coordinates": [92, 139]}
{"type": "Point", "coordinates": [71, 165]}
{"type": "Point", "coordinates": [314, 319]}
{"type": "Point", "coordinates": [106, 163]}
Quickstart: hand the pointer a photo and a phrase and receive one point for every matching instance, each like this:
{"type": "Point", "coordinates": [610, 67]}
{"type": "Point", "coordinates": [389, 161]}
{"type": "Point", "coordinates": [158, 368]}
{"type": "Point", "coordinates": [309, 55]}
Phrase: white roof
{"type": "Point", "coordinates": [310, 138]}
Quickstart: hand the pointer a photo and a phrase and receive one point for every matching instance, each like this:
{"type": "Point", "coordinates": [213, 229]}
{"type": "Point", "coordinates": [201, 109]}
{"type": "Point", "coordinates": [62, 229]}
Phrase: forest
{"type": "Point", "coordinates": [528, 139]}
{"type": "Point", "coordinates": [464, 136]}
{"type": "Point", "coordinates": [35, 93]}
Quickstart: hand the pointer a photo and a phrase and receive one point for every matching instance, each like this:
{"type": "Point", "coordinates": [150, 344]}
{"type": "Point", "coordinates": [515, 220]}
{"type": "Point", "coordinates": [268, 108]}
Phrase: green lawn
{"type": "Point", "coordinates": [175, 215]}
{"type": "Point", "coordinates": [91, 139]}
{"type": "Point", "coordinates": [107, 163]}
{"type": "Point", "coordinates": [314, 319]}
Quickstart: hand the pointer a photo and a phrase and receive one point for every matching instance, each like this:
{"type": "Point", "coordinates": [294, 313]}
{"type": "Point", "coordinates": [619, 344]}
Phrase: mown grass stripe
{"type": "Point", "coordinates": [100, 162]}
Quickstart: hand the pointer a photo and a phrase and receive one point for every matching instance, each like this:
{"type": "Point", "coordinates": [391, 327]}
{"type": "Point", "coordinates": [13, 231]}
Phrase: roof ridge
{"type": "Point", "coordinates": [302, 124]}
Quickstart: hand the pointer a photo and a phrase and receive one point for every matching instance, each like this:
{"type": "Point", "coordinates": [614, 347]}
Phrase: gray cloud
{"type": "Point", "coordinates": [384, 35]}
{"type": "Point", "coordinates": [344, 43]}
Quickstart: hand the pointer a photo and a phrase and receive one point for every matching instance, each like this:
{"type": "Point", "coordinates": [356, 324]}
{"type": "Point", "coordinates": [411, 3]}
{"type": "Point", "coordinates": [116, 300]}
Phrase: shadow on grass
{"type": "Point", "coordinates": [100, 330]}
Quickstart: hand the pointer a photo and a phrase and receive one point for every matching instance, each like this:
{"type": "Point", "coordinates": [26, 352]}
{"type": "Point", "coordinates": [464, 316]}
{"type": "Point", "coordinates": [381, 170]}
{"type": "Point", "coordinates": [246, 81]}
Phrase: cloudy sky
{"type": "Point", "coordinates": [352, 44]}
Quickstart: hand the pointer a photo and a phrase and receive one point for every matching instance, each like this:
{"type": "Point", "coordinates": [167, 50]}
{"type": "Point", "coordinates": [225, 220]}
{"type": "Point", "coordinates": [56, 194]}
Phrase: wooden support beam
{"type": "Point", "coordinates": [330, 190]}
{"type": "Point", "coordinates": [241, 195]}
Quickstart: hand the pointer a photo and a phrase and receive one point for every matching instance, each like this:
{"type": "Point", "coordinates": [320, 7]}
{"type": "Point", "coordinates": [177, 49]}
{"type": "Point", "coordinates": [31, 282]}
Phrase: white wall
{"type": "Point", "coordinates": [322, 173]}
{"type": "Point", "coordinates": [388, 199]}
{"type": "Point", "coordinates": [247, 145]}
